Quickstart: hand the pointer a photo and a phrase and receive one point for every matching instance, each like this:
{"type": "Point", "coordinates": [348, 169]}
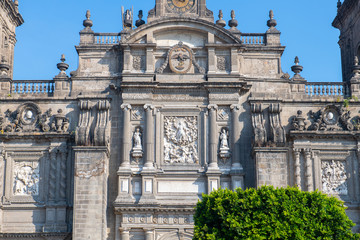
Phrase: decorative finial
{"type": "Point", "coordinates": [272, 22]}
{"type": "Point", "coordinates": [233, 23]}
{"type": "Point", "coordinates": [297, 69]}
{"type": "Point", "coordinates": [88, 23]}
{"type": "Point", "coordinates": [339, 4]}
{"type": "Point", "coordinates": [221, 22]}
{"type": "Point", "coordinates": [16, 3]}
{"type": "Point", "coordinates": [140, 22]}
{"type": "Point", "coordinates": [62, 66]}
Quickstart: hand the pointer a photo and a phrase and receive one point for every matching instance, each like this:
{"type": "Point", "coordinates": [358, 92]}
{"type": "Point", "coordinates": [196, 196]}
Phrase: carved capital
{"type": "Point", "coordinates": [297, 152]}
{"type": "Point", "coordinates": [235, 107]}
{"type": "Point", "coordinates": [308, 152]}
{"type": "Point", "coordinates": [125, 107]}
{"type": "Point", "coordinates": [212, 107]}
{"type": "Point", "coordinates": [84, 105]}
{"type": "Point", "coordinates": [149, 107]}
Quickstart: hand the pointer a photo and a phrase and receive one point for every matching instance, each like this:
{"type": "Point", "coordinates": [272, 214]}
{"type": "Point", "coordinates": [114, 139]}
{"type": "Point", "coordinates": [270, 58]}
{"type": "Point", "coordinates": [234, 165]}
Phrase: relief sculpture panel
{"type": "Point", "coordinates": [334, 177]}
{"type": "Point", "coordinates": [181, 140]}
{"type": "Point", "coordinates": [26, 179]}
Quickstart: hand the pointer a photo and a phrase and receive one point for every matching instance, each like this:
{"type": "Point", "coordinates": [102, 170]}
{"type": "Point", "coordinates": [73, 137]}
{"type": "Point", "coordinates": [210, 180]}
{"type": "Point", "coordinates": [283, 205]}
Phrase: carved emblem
{"type": "Point", "coordinates": [180, 59]}
{"type": "Point", "coordinates": [26, 179]}
{"type": "Point", "coordinates": [180, 140]}
{"type": "Point", "coordinates": [331, 118]}
{"type": "Point", "coordinates": [334, 177]}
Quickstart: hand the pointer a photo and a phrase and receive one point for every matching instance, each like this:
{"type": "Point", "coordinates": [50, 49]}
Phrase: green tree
{"type": "Point", "coordinates": [269, 213]}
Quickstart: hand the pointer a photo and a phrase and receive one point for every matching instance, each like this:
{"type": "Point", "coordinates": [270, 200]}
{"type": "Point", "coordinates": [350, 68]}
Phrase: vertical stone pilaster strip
{"type": "Point", "coordinates": [149, 136]}
{"type": "Point", "coordinates": [297, 168]}
{"type": "Point", "coordinates": [63, 162]}
{"type": "Point", "coordinates": [52, 174]}
{"type": "Point", "coordinates": [213, 136]}
{"type": "Point", "coordinates": [126, 141]}
{"type": "Point", "coordinates": [235, 135]}
{"type": "Point", "coordinates": [308, 174]}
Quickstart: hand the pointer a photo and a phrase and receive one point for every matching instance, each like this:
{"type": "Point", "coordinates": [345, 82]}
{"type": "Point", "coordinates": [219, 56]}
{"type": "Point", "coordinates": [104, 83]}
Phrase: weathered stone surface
{"type": "Point", "coordinates": [157, 115]}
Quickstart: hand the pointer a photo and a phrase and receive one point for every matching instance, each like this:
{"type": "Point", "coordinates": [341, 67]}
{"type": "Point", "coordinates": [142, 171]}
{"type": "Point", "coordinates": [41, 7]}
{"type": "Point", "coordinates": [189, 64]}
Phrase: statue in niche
{"type": "Point", "coordinates": [137, 149]}
{"type": "Point", "coordinates": [224, 139]}
{"type": "Point", "coordinates": [224, 144]}
{"type": "Point", "coordinates": [137, 139]}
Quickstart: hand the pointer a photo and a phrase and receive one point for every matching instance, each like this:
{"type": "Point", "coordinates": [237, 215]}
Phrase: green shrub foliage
{"type": "Point", "coordinates": [268, 213]}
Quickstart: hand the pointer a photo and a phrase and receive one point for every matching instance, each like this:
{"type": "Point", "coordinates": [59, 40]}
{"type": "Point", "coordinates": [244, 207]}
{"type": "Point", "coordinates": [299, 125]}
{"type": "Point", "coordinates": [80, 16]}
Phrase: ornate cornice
{"type": "Point", "coordinates": [13, 12]}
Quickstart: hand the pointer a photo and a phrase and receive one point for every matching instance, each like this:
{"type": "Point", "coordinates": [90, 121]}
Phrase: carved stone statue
{"type": "Point", "coordinates": [224, 144]}
{"type": "Point", "coordinates": [137, 151]}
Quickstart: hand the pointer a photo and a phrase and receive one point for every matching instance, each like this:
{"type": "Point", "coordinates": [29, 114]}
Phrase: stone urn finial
{"type": "Point", "coordinates": [271, 22]}
{"type": "Point", "coordinates": [297, 69]}
{"type": "Point", "coordinates": [88, 23]}
{"type": "Point", "coordinates": [221, 22]}
{"type": "Point", "coordinates": [140, 21]}
{"type": "Point", "coordinates": [233, 23]}
{"type": "Point", "coordinates": [62, 66]}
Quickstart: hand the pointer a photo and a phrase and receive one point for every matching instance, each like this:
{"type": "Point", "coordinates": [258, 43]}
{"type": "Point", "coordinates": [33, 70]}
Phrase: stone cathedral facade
{"type": "Point", "coordinates": [168, 109]}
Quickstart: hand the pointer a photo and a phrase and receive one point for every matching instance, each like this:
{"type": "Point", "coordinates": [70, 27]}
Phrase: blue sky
{"type": "Point", "coordinates": [52, 28]}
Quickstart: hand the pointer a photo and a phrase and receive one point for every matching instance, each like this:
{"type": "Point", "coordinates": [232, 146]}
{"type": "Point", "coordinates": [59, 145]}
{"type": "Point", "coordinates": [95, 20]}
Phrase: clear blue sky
{"type": "Point", "coordinates": [52, 28]}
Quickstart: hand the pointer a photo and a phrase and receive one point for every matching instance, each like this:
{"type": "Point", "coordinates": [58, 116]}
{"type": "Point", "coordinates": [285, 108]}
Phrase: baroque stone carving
{"type": "Point", "coordinates": [29, 118]}
{"type": "Point", "coordinates": [331, 118]}
{"type": "Point", "coordinates": [137, 113]}
{"type": "Point", "coordinates": [181, 140]}
{"type": "Point", "coordinates": [334, 177]}
{"type": "Point", "coordinates": [138, 62]}
{"type": "Point", "coordinates": [298, 122]}
{"type": "Point", "coordinates": [137, 151]}
{"type": "Point", "coordinates": [223, 114]}
{"type": "Point", "coordinates": [277, 130]}
{"type": "Point", "coordinates": [82, 136]}
{"type": "Point", "coordinates": [221, 63]}
{"type": "Point", "coordinates": [26, 178]}
{"type": "Point", "coordinates": [92, 171]}
{"type": "Point", "coordinates": [102, 128]}
{"type": "Point", "coordinates": [180, 59]}
{"type": "Point", "coordinates": [258, 123]}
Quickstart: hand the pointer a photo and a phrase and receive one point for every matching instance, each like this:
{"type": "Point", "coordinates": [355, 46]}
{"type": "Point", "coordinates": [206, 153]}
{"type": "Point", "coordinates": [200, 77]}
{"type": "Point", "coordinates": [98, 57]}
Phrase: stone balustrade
{"type": "Point", "coordinates": [32, 87]}
{"type": "Point", "coordinates": [253, 38]}
{"type": "Point", "coordinates": [106, 38]}
{"type": "Point", "coordinates": [326, 89]}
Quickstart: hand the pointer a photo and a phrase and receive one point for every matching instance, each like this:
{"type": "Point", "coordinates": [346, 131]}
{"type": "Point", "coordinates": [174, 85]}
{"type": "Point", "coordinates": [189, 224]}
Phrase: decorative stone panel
{"type": "Point", "coordinates": [26, 178]}
{"type": "Point", "coordinates": [334, 177]}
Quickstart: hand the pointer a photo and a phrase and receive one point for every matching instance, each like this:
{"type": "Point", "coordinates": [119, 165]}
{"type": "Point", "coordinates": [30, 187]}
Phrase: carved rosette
{"type": "Point", "coordinates": [26, 178]}
{"type": "Point", "coordinates": [181, 140]}
{"type": "Point", "coordinates": [334, 177]}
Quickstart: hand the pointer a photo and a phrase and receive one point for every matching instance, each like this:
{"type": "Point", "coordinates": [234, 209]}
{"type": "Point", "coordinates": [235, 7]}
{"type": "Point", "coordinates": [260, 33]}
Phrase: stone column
{"type": "Point", "coordinates": [297, 168]}
{"type": "Point", "coordinates": [235, 135]}
{"type": "Point", "coordinates": [237, 174]}
{"type": "Point", "coordinates": [126, 142]}
{"type": "Point", "coordinates": [125, 234]}
{"type": "Point", "coordinates": [308, 173]}
{"type": "Point", "coordinates": [211, 60]}
{"type": "Point", "coordinates": [149, 234]}
{"type": "Point", "coordinates": [213, 137]}
{"type": "Point", "coordinates": [149, 136]}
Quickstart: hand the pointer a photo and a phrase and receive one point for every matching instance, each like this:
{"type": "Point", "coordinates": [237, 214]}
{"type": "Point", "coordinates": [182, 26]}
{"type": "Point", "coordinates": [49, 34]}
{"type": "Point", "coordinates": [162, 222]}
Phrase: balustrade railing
{"type": "Point", "coordinates": [32, 87]}
{"type": "Point", "coordinates": [326, 89]}
{"type": "Point", "coordinates": [107, 38]}
{"type": "Point", "coordinates": [253, 38]}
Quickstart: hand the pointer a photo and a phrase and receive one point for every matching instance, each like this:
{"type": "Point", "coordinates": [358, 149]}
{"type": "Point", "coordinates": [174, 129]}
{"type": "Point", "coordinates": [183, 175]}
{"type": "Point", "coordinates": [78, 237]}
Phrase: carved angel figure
{"type": "Point", "coordinates": [26, 181]}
